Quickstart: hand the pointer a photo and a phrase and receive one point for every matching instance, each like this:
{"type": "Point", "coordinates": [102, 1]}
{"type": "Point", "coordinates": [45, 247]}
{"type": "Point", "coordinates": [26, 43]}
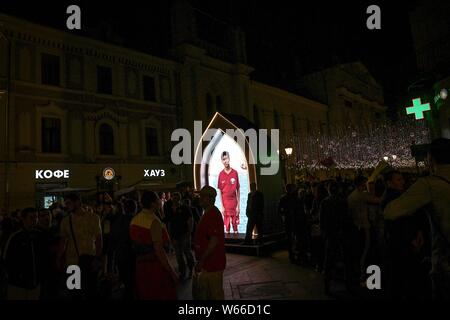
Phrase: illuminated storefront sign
{"type": "Point", "coordinates": [154, 173]}
{"type": "Point", "coordinates": [50, 174]}
{"type": "Point", "coordinates": [418, 108]}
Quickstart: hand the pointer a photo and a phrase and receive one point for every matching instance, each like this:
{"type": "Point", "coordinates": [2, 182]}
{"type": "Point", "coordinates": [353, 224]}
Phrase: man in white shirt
{"type": "Point", "coordinates": [433, 194]}
{"type": "Point", "coordinates": [358, 208]}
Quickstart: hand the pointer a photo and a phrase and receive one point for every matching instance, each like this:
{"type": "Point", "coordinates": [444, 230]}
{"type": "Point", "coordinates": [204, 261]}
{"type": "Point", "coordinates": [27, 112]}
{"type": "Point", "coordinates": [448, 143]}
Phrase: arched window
{"type": "Point", "coordinates": [106, 137]}
{"type": "Point", "coordinates": [51, 135]}
{"type": "Point", "coordinates": [209, 106]}
{"type": "Point", "coordinates": [151, 142]}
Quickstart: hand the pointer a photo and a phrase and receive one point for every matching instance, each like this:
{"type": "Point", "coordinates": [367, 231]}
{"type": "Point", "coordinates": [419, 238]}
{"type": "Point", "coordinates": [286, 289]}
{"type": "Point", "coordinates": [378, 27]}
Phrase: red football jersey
{"type": "Point", "coordinates": [211, 224]}
{"type": "Point", "coordinates": [228, 183]}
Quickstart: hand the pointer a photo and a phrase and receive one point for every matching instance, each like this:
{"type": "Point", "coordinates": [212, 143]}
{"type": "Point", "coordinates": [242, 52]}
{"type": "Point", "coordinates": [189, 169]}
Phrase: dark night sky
{"type": "Point", "coordinates": [283, 40]}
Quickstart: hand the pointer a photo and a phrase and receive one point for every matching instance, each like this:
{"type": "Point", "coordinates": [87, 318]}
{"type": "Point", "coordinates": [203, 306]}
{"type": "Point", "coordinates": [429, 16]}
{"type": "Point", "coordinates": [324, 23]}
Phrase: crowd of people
{"type": "Point", "coordinates": [120, 246]}
{"type": "Point", "coordinates": [398, 222]}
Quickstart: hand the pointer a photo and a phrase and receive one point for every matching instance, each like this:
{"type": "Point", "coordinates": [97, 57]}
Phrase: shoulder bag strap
{"type": "Point", "coordinates": [73, 235]}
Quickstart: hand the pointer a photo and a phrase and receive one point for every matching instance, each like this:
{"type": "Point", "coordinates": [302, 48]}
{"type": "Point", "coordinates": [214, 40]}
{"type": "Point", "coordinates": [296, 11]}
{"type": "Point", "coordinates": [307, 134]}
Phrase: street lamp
{"type": "Point", "coordinates": [288, 150]}
{"type": "Point", "coordinates": [394, 157]}
{"type": "Point", "coordinates": [443, 94]}
{"type": "Point", "coordinates": [386, 158]}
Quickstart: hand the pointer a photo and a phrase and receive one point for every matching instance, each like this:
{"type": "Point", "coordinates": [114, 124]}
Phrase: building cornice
{"type": "Point", "coordinates": [30, 32]}
{"type": "Point", "coordinates": [360, 98]}
{"type": "Point", "coordinates": [89, 99]}
{"type": "Point", "coordinates": [286, 94]}
{"type": "Point", "coordinates": [192, 53]}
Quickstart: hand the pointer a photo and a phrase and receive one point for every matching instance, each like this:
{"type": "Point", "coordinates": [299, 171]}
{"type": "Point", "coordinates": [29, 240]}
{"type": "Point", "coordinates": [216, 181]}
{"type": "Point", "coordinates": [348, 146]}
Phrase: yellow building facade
{"type": "Point", "coordinates": [353, 96]}
{"type": "Point", "coordinates": [73, 103]}
{"type": "Point", "coordinates": [80, 105]}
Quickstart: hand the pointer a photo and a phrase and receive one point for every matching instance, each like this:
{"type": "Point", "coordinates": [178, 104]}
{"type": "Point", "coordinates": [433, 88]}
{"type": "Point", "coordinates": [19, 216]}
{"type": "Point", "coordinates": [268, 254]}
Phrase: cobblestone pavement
{"type": "Point", "coordinates": [254, 278]}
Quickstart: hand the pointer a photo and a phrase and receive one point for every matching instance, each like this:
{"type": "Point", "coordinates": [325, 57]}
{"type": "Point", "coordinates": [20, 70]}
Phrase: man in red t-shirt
{"type": "Point", "coordinates": [228, 184]}
{"type": "Point", "coordinates": [209, 250]}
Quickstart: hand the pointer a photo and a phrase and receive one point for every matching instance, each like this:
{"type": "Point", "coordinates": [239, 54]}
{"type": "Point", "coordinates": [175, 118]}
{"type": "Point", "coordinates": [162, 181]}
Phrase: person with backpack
{"type": "Point", "coordinates": [82, 234]}
{"type": "Point", "coordinates": [432, 193]}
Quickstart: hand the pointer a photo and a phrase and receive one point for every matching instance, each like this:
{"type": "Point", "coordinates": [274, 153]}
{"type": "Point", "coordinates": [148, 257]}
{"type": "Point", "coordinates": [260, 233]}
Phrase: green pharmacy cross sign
{"type": "Point", "coordinates": [418, 108]}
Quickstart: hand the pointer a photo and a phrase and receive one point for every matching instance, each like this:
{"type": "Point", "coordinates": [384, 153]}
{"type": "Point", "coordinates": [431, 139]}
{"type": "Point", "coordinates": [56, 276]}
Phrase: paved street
{"type": "Point", "coordinates": [254, 278]}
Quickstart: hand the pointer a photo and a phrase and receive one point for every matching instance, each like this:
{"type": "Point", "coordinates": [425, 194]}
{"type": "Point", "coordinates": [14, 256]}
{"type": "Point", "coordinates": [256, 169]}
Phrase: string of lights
{"type": "Point", "coordinates": [359, 147]}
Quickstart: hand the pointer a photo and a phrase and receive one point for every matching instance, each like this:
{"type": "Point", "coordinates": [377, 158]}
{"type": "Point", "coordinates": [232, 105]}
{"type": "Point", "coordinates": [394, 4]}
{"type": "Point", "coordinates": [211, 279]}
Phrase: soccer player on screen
{"type": "Point", "coordinates": [228, 185]}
